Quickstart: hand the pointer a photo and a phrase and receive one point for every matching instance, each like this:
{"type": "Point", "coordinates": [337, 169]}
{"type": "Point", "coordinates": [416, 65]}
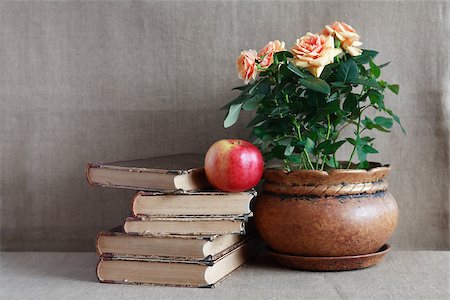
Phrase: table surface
{"type": "Point", "coordinates": [402, 275]}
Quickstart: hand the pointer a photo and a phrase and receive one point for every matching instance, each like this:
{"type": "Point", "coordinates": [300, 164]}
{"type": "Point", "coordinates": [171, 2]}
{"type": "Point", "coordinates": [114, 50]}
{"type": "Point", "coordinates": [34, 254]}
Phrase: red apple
{"type": "Point", "coordinates": [233, 165]}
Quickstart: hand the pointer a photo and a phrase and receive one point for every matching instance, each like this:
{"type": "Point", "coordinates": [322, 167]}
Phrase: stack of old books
{"type": "Point", "coordinates": [180, 232]}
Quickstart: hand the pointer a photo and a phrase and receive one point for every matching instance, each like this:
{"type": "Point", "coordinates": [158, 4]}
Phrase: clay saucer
{"type": "Point", "coordinates": [337, 263]}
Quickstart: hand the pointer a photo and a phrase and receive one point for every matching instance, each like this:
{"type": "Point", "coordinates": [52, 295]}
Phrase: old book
{"type": "Point", "coordinates": [199, 225]}
{"type": "Point", "coordinates": [164, 173]}
{"type": "Point", "coordinates": [175, 273]}
{"type": "Point", "coordinates": [203, 248]}
{"type": "Point", "coordinates": [192, 203]}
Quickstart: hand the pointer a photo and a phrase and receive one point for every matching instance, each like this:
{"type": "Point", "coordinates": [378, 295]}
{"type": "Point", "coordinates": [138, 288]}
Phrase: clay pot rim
{"type": "Point", "coordinates": [333, 177]}
{"type": "Point", "coordinates": [377, 167]}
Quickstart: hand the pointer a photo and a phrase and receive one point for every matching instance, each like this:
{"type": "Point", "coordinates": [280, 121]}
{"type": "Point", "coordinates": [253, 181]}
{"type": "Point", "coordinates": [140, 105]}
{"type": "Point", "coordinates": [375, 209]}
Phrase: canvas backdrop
{"type": "Point", "coordinates": [101, 81]}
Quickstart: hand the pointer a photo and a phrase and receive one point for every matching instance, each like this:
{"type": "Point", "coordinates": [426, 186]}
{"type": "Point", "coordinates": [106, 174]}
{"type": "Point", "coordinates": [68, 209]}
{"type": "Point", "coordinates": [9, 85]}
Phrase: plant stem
{"type": "Point", "coordinates": [357, 136]}
{"type": "Point", "coordinates": [309, 161]}
{"type": "Point", "coordinates": [328, 136]}
{"type": "Point", "coordinates": [357, 127]}
{"type": "Point", "coordinates": [335, 161]}
{"type": "Point", "coordinates": [304, 150]}
{"type": "Point", "coordinates": [342, 128]}
{"type": "Point", "coordinates": [351, 157]}
{"type": "Point", "coordinates": [286, 165]}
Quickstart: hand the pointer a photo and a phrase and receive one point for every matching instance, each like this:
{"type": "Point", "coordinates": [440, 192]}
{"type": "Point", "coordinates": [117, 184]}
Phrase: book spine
{"type": "Point", "coordinates": [189, 218]}
{"type": "Point", "coordinates": [97, 246]}
{"type": "Point", "coordinates": [125, 281]}
{"type": "Point", "coordinates": [203, 261]}
{"type": "Point", "coordinates": [97, 270]}
{"type": "Point", "coordinates": [133, 203]}
{"type": "Point", "coordinates": [86, 173]}
{"type": "Point", "coordinates": [192, 232]}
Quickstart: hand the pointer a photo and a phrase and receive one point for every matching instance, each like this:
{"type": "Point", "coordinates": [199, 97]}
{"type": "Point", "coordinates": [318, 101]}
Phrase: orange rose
{"type": "Point", "coordinates": [266, 53]}
{"type": "Point", "coordinates": [314, 52]}
{"type": "Point", "coordinates": [347, 35]}
{"type": "Point", "coordinates": [246, 65]}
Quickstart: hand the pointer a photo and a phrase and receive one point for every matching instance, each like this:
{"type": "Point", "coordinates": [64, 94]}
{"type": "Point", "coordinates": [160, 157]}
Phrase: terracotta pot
{"type": "Point", "coordinates": [318, 213]}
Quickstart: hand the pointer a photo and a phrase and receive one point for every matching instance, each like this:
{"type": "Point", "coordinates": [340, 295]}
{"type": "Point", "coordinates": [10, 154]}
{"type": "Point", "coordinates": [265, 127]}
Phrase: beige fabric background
{"type": "Point", "coordinates": [88, 81]}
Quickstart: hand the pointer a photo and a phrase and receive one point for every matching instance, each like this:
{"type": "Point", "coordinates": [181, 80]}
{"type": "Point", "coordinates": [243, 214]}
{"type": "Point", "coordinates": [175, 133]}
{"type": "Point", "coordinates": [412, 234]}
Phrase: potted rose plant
{"type": "Point", "coordinates": [315, 211]}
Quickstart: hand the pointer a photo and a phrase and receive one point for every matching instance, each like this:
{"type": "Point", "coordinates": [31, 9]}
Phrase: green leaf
{"type": "Point", "coordinates": [369, 124]}
{"type": "Point", "coordinates": [323, 145]}
{"type": "Point", "coordinates": [285, 142]}
{"type": "Point", "coordinates": [374, 69]}
{"type": "Point", "coordinates": [253, 102]}
{"type": "Point", "coordinates": [362, 156]}
{"type": "Point", "coordinates": [362, 71]}
{"type": "Point", "coordinates": [332, 97]}
{"type": "Point", "coordinates": [316, 84]}
{"type": "Point", "coordinates": [280, 56]}
{"type": "Point", "coordinates": [365, 56]}
{"type": "Point", "coordinates": [363, 165]}
{"type": "Point", "coordinates": [348, 71]}
{"type": "Point", "coordinates": [237, 100]}
{"type": "Point", "coordinates": [395, 88]}
{"type": "Point", "coordinates": [259, 132]}
{"type": "Point", "coordinates": [328, 70]}
{"type": "Point", "coordinates": [233, 115]}
{"type": "Point", "coordinates": [332, 148]}
{"type": "Point", "coordinates": [385, 122]}
{"type": "Point", "coordinates": [382, 83]}
{"type": "Point", "coordinates": [376, 98]}
{"type": "Point", "coordinates": [289, 149]}
{"type": "Point", "coordinates": [260, 87]}
{"type": "Point", "coordinates": [366, 139]}
{"type": "Point", "coordinates": [396, 119]}
{"type": "Point", "coordinates": [350, 103]}
{"type": "Point", "coordinates": [331, 163]}
{"type": "Point", "coordinates": [307, 144]}
{"type": "Point", "coordinates": [351, 141]}
{"type": "Point", "coordinates": [294, 69]}
{"type": "Point", "coordinates": [331, 107]}
{"type": "Point", "coordinates": [338, 84]}
{"type": "Point", "coordinates": [369, 149]}
{"type": "Point", "coordinates": [294, 158]}
{"type": "Point", "coordinates": [280, 111]}
{"type": "Point", "coordinates": [258, 120]}
{"type": "Point", "coordinates": [240, 88]}
{"type": "Point", "coordinates": [384, 65]}
{"type": "Point", "coordinates": [368, 82]}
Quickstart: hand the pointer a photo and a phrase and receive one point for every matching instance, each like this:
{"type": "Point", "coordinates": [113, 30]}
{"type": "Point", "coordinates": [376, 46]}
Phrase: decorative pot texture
{"type": "Point", "coordinates": [318, 213]}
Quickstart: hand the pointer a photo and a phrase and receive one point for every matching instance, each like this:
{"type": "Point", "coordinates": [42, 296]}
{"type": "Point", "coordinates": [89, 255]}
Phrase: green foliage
{"type": "Point", "coordinates": [299, 118]}
{"type": "Point", "coordinates": [347, 71]}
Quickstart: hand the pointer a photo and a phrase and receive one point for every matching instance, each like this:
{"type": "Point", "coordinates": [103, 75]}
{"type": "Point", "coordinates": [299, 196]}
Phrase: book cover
{"type": "Point", "coordinates": [192, 203]}
{"type": "Point", "coordinates": [189, 225]}
{"type": "Point", "coordinates": [164, 173]}
{"type": "Point", "coordinates": [116, 242]}
{"type": "Point", "coordinates": [174, 272]}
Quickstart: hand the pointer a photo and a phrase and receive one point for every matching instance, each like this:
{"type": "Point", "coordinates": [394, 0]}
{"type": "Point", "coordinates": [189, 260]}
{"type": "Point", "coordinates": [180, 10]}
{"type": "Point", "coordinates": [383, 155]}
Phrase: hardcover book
{"type": "Point", "coordinates": [198, 225]}
{"type": "Point", "coordinates": [202, 248]}
{"type": "Point", "coordinates": [165, 173]}
{"type": "Point", "coordinates": [192, 203]}
{"type": "Point", "coordinates": [174, 272]}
